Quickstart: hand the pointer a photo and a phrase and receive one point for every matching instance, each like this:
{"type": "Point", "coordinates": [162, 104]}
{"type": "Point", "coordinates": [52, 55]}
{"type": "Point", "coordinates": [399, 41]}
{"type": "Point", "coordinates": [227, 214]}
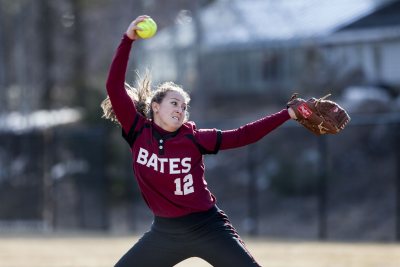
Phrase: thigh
{"type": "Point", "coordinates": [224, 247]}
{"type": "Point", "coordinates": [228, 251]}
{"type": "Point", "coordinates": [152, 250]}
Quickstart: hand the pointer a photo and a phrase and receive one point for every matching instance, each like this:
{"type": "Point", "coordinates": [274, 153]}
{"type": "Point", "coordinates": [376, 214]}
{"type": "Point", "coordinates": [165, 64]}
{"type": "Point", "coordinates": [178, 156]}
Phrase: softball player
{"type": "Point", "coordinates": [167, 152]}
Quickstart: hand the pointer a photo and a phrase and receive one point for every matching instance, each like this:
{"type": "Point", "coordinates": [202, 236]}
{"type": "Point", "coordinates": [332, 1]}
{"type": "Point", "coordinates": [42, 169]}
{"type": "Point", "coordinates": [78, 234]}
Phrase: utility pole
{"type": "Point", "coordinates": [397, 135]}
{"type": "Point", "coordinates": [322, 188]}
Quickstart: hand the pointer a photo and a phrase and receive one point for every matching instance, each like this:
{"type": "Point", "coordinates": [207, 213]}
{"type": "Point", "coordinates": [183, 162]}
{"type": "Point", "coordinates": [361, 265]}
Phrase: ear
{"type": "Point", "coordinates": [155, 107]}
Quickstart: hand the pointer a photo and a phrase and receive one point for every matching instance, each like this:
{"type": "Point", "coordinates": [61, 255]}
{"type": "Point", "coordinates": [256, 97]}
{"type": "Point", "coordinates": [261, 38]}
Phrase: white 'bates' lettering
{"type": "Point", "coordinates": [176, 165]}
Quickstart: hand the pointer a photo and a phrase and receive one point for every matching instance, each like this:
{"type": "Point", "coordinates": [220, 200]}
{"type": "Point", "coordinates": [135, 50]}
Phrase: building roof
{"type": "Point", "coordinates": [243, 21]}
{"type": "Point", "coordinates": [236, 22]}
{"type": "Point", "coordinates": [38, 120]}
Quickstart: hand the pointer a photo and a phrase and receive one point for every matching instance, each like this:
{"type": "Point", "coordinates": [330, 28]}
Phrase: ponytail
{"type": "Point", "coordinates": [141, 97]}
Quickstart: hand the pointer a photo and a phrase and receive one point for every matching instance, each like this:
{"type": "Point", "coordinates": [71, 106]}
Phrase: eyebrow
{"type": "Point", "coordinates": [177, 100]}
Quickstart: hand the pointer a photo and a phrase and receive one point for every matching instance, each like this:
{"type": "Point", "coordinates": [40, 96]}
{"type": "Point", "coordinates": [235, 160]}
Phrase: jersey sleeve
{"type": "Point", "coordinates": [208, 141]}
{"type": "Point", "coordinates": [122, 103]}
{"type": "Point", "coordinates": [254, 131]}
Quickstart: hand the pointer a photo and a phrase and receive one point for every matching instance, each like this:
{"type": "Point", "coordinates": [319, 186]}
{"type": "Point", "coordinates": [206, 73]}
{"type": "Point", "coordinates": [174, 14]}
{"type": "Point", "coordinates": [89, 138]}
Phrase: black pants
{"type": "Point", "coordinates": [208, 235]}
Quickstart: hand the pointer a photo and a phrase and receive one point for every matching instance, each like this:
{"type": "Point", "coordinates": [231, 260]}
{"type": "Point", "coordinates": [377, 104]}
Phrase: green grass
{"type": "Point", "coordinates": [101, 251]}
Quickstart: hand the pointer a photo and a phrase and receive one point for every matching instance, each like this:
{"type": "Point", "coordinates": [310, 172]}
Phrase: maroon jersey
{"type": "Point", "coordinates": [169, 166]}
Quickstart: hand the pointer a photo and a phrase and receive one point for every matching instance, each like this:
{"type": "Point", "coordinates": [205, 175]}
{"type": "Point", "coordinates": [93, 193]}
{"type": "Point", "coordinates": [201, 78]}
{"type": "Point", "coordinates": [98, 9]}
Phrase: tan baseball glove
{"type": "Point", "coordinates": [320, 116]}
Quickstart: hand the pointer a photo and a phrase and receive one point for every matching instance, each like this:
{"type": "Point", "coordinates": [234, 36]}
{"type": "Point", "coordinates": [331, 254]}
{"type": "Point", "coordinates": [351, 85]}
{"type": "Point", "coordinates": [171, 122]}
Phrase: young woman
{"type": "Point", "coordinates": [167, 152]}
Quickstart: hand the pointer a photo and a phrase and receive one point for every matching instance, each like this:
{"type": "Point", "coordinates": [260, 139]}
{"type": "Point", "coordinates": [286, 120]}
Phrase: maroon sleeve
{"type": "Point", "coordinates": [122, 103]}
{"type": "Point", "coordinates": [253, 131]}
{"type": "Point", "coordinates": [209, 140]}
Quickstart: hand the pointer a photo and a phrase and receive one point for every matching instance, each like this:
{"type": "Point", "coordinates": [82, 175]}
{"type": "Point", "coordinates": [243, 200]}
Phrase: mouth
{"type": "Point", "coordinates": [175, 118]}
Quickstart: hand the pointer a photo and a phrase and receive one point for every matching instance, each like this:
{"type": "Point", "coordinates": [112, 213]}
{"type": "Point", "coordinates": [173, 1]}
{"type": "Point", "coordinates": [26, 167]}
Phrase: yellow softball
{"type": "Point", "coordinates": [148, 28]}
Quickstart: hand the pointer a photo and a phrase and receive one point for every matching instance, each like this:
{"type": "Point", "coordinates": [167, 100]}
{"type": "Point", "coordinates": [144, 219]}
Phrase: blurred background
{"type": "Point", "coordinates": [63, 168]}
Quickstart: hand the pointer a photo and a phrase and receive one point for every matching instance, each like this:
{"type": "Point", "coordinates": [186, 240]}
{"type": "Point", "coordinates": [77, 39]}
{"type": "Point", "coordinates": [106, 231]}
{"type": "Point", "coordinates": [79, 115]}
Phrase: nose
{"type": "Point", "coordinates": [179, 110]}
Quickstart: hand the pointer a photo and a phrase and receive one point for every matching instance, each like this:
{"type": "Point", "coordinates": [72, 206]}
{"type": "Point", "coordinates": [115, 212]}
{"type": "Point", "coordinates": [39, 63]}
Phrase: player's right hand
{"type": "Point", "coordinates": [131, 31]}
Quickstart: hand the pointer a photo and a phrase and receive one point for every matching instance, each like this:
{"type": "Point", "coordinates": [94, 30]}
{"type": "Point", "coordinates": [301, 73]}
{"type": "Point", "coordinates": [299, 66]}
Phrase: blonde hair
{"type": "Point", "coordinates": [143, 96]}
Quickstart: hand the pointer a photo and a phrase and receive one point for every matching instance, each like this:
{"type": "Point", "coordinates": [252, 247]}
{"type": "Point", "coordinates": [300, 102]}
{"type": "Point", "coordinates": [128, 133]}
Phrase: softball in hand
{"type": "Point", "coordinates": [148, 28]}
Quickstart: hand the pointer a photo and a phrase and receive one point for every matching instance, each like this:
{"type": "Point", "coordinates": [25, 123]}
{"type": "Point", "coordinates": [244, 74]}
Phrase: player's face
{"type": "Point", "coordinates": [171, 112]}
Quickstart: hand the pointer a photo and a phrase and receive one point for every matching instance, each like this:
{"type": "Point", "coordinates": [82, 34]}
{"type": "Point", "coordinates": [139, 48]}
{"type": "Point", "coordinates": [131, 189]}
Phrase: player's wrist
{"type": "Point", "coordinates": [292, 114]}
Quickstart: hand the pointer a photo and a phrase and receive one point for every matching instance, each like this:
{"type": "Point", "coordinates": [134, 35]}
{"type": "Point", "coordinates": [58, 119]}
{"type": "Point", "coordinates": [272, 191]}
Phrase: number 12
{"type": "Point", "coordinates": [187, 185]}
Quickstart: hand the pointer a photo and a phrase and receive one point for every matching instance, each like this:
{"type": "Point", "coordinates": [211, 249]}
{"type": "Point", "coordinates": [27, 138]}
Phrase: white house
{"type": "Point", "coordinates": [259, 46]}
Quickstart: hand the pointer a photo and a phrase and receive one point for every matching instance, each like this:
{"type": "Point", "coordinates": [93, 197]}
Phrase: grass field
{"type": "Point", "coordinates": [102, 251]}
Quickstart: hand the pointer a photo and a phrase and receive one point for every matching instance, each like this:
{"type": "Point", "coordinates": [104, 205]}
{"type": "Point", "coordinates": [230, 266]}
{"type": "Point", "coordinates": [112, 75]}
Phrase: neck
{"type": "Point", "coordinates": [161, 129]}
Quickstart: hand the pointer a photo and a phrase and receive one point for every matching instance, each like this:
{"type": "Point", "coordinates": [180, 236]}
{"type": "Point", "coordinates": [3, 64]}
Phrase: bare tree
{"type": "Point", "coordinates": [47, 56]}
{"type": "Point", "coordinates": [2, 59]}
{"type": "Point", "coordinates": [79, 61]}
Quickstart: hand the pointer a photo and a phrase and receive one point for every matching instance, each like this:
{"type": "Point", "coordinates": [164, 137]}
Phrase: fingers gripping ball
{"type": "Point", "coordinates": [148, 28]}
{"type": "Point", "coordinates": [320, 116]}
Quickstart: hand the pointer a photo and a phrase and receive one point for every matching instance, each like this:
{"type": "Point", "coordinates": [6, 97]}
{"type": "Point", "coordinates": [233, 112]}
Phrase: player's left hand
{"type": "Point", "coordinates": [320, 116]}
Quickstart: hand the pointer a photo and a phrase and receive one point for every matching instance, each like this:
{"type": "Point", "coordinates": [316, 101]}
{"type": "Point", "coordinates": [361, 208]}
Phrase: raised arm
{"type": "Point", "coordinates": [122, 103]}
{"type": "Point", "coordinates": [254, 131]}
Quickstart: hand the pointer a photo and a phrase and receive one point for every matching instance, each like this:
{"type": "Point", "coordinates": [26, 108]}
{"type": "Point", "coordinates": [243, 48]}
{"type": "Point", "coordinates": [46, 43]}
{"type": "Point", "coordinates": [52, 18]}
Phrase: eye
{"type": "Point", "coordinates": [174, 103]}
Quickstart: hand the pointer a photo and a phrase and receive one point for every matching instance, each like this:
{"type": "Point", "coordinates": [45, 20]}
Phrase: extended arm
{"type": "Point", "coordinates": [254, 131]}
{"type": "Point", "coordinates": [122, 103]}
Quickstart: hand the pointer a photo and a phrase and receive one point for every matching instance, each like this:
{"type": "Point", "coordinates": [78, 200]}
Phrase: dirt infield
{"type": "Point", "coordinates": [104, 251]}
